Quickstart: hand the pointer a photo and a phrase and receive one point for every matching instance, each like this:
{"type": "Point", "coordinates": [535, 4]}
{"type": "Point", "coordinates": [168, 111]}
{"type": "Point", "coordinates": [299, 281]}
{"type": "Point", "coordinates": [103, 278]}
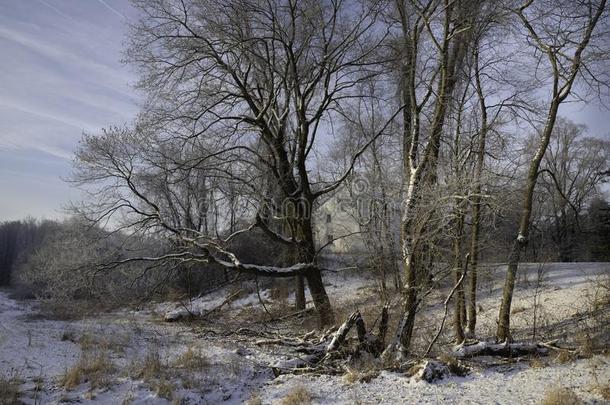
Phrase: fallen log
{"type": "Point", "coordinates": [326, 356]}
{"type": "Point", "coordinates": [499, 349]}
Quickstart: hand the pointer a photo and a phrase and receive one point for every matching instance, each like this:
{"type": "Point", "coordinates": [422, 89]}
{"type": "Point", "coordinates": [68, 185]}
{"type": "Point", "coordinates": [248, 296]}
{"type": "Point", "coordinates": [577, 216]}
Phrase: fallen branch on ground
{"type": "Point", "coordinates": [499, 349]}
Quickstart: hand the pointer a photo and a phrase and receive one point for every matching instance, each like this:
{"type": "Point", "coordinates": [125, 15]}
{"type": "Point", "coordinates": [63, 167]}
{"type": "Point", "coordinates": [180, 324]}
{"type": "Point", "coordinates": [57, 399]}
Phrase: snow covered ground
{"type": "Point", "coordinates": [148, 361]}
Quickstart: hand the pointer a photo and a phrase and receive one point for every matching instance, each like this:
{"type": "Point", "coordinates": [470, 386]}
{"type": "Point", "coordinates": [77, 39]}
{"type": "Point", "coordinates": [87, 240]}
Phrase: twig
{"type": "Point", "coordinates": [222, 304]}
{"type": "Point", "coordinates": [455, 287]}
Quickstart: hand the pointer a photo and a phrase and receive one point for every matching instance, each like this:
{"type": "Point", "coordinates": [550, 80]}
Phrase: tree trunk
{"type": "Point", "coordinates": [299, 292]}
{"type": "Point", "coordinates": [320, 298]}
{"type": "Point", "coordinates": [459, 315]}
{"type": "Point", "coordinates": [314, 276]}
{"type": "Point", "coordinates": [411, 288]}
{"type": "Point", "coordinates": [476, 205]}
{"type": "Point", "coordinates": [503, 330]}
{"type": "Point", "coordinates": [409, 308]}
{"type": "Point", "coordinates": [471, 308]}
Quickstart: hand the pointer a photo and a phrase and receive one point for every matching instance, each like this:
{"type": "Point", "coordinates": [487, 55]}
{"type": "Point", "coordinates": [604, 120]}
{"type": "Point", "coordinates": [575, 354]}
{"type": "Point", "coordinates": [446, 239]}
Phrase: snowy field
{"type": "Point", "coordinates": [135, 356]}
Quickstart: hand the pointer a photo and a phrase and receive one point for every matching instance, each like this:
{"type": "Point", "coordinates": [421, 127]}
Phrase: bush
{"type": "Point", "coordinates": [297, 396]}
{"type": "Point", "coordinates": [561, 396]}
{"type": "Point", "coordinates": [9, 390]}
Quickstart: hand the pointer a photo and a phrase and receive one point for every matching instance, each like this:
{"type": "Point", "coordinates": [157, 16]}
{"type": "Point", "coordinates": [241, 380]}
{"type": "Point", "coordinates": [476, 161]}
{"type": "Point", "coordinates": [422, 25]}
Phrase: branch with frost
{"type": "Point", "coordinates": [231, 263]}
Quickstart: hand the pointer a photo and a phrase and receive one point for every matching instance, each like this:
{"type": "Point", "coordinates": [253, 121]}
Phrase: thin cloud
{"type": "Point", "coordinates": [58, 11]}
{"type": "Point", "coordinates": [115, 11]}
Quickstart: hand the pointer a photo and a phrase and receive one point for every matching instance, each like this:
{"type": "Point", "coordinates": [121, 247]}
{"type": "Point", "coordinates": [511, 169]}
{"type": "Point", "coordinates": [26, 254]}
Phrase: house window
{"type": "Point", "coordinates": [328, 219]}
{"type": "Point", "coordinates": [330, 238]}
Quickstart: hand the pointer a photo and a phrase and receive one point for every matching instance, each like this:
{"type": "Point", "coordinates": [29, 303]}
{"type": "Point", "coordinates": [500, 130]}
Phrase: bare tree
{"type": "Point", "coordinates": [433, 42]}
{"type": "Point", "coordinates": [572, 171]}
{"type": "Point", "coordinates": [564, 51]}
{"type": "Point", "coordinates": [253, 84]}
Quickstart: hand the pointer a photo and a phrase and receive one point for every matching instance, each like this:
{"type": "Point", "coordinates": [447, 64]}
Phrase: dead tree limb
{"type": "Point", "coordinates": [342, 332]}
{"type": "Point", "coordinates": [499, 349]}
{"type": "Point", "coordinates": [446, 303]}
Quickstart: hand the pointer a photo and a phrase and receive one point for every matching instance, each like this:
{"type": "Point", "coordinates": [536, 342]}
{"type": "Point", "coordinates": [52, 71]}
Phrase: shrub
{"type": "Point", "coordinates": [564, 357]}
{"type": "Point", "coordinates": [561, 396]}
{"type": "Point", "coordinates": [537, 362]}
{"type": "Point", "coordinates": [298, 395]}
{"type": "Point", "coordinates": [9, 390]}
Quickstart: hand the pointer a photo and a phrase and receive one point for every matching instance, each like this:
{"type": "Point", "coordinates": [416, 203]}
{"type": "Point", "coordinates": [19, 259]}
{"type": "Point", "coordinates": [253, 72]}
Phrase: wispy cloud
{"type": "Point", "coordinates": [115, 11]}
{"type": "Point", "coordinates": [60, 75]}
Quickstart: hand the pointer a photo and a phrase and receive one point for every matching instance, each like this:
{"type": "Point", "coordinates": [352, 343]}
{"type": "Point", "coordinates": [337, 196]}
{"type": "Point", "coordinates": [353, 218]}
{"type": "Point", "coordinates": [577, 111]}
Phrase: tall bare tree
{"type": "Point", "coordinates": [255, 85]}
{"type": "Point", "coordinates": [559, 33]}
{"type": "Point", "coordinates": [432, 44]}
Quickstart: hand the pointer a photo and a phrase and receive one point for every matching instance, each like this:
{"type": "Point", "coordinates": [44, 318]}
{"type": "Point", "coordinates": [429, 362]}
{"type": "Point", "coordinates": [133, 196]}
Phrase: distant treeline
{"type": "Point", "coordinates": [570, 236]}
{"type": "Point", "coordinates": [31, 246]}
{"type": "Point", "coordinates": [63, 261]}
{"type": "Point", "coordinates": [18, 239]}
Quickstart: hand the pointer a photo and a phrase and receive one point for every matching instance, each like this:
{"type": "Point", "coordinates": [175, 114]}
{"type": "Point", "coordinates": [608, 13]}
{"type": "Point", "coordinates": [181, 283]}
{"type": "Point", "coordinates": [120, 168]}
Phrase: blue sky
{"type": "Point", "coordinates": [60, 75]}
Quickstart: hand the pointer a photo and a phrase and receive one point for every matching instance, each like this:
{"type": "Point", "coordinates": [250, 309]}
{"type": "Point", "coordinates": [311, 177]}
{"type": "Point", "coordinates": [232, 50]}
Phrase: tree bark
{"type": "Point", "coordinates": [314, 277]}
{"type": "Point", "coordinates": [459, 305]}
{"type": "Point", "coordinates": [299, 292]}
{"type": "Point", "coordinates": [476, 205]}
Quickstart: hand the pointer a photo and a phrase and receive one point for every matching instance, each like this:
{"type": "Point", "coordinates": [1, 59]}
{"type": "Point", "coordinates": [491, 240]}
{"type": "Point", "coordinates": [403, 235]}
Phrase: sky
{"type": "Point", "coordinates": [61, 75]}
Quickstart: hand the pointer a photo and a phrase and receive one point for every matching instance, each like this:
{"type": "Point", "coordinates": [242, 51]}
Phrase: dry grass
{"type": "Point", "coordinates": [586, 344]}
{"type": "Point", "coordinates": [92, 367]}
{"type": "Point", "coordinates": [601, 389]}
{"type": "Point", "coordinates": [71, 378]}
{"type": "Point", "coordinates": [362, 376]}
{"type": "Point", "coordinates": [298, 395]}
{"type": "Point", "coordinates": [69, 336]}
{"type": "Point", "coordinates": [163, 388]}
{"type": "Point", "coordinates": [9, 390]}
{"type": "Point", "coordinates": [561, 396]}
{"type": "Point", "coordinates": [363, 369]}
{"type": "Point", "coordinates": [128, 400]}
{"type": "Point", "coordinates": [192, 359]}
{"type": "Point", "coordinates": [537, 362]}
{"type": "Point", "coordinates": [147, 368]}
{"type": "Point", "coordinates": [63, 310]}
{"type": "Point", "coordinates": [114, 343]}
{"type": "Point", "coordinates": [156, 374]}
{"type": "Point", "coordinates": [564, 356]}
